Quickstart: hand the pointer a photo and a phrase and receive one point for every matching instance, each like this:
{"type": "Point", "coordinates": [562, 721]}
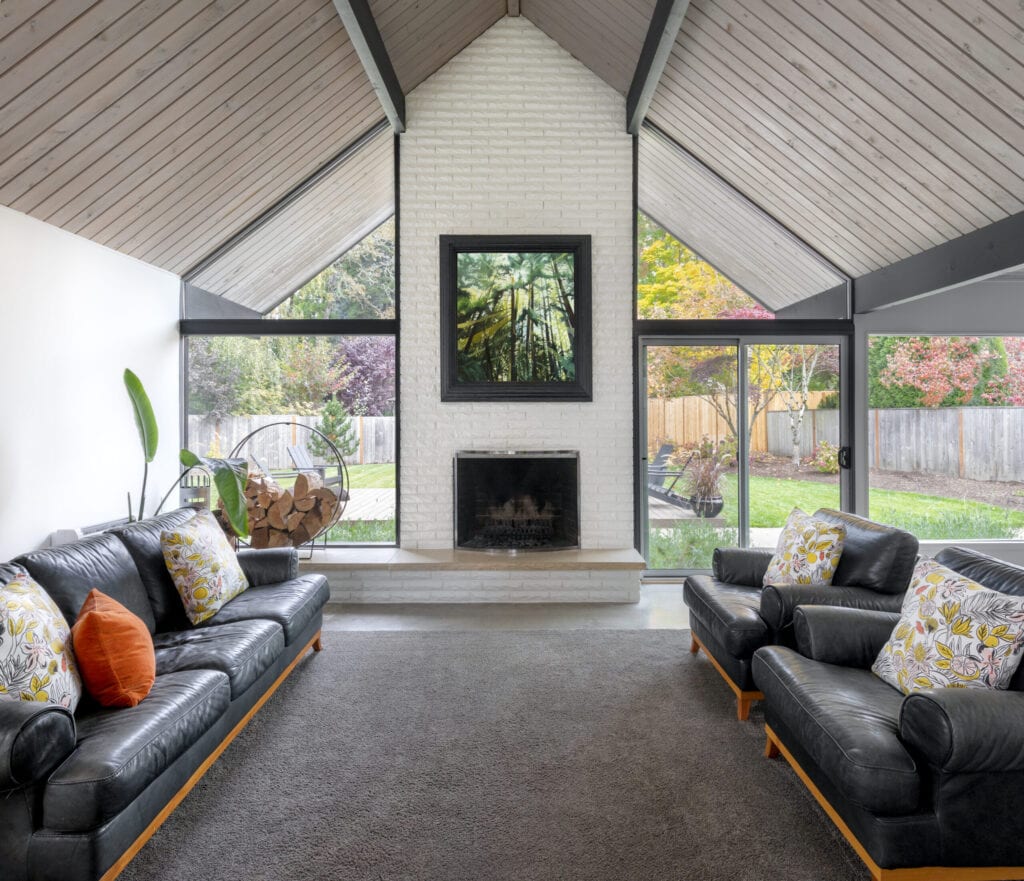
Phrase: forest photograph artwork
{"type": "Point", "coordinates": [515, 316]}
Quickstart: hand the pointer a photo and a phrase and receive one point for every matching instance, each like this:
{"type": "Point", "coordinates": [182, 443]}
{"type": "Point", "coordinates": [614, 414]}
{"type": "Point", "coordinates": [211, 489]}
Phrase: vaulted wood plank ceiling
{"type": "Point", "coordinates": [873, 130]}
{"type": "Point", "coordinates": [421, 37]}
{"type": "Point", "coordinates": [335, 213]}
{"type": "Point", "coordinates": [161, 128]}
{"type": "Point", "coordinates": [606, 35]}
{"type": "Point", "coordinates": [727, 231]}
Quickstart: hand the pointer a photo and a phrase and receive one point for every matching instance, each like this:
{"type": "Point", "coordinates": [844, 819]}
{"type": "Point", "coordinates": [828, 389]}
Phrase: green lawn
{"type": "Point", "coordinates": [371, 476]}
{"type": "Point", "coordinates": [689, 546]}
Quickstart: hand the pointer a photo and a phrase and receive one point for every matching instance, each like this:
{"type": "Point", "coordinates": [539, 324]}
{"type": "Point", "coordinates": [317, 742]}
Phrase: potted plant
{"type": "Point", "coordinates": [704, 481]}
{"type": "Point", "coordinates": [229, 475]}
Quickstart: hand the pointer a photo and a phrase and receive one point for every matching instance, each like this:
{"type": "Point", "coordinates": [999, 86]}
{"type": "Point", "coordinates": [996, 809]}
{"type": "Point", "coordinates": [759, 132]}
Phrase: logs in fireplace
{"type": "Point", "coordinates": [517, 501]}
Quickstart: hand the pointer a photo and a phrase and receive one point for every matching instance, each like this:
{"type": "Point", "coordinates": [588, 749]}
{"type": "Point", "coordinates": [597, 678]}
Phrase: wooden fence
{"type": "Point", "coordinates": [686, 421]}
{"type": "Point", "coordinates": [976, 443]}
{"type": "Point", "coordinates": [218, 437]}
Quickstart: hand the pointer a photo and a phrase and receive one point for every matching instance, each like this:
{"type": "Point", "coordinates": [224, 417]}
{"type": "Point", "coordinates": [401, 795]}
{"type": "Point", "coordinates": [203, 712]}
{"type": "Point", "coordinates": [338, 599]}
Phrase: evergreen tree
{"type": "Point", "coordinates": [337, 426]}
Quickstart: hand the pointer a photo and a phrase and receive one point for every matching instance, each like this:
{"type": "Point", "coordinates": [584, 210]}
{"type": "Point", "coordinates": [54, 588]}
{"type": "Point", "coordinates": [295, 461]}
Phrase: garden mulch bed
{"type": "Point", "coordinates": [1002, 494]}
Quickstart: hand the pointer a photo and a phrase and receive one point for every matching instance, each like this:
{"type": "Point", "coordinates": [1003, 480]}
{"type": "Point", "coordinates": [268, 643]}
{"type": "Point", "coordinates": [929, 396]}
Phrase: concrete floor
{"type": "Point", "coordinates": [661, 607]}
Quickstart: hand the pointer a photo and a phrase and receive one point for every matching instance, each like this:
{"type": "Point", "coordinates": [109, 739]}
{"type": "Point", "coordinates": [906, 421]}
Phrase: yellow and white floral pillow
{"type": "Point", "coordinates": [203, 566]}
{"type": "Point", "coordinates": [808, 551]}
{"type": "Point", "coordinates": [952, 633]}
{"type": "Point", "coordinates": [36, 663]}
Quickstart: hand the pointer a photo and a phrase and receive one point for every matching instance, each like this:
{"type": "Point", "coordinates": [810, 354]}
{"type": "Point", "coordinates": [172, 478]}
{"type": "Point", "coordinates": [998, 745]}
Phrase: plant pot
{"type": "Point", "coordinates": [707, 507]}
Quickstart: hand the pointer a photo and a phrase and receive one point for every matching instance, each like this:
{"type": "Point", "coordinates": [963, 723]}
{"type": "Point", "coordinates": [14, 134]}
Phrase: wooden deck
{"type": "Point", "coordinates": [370, 504]}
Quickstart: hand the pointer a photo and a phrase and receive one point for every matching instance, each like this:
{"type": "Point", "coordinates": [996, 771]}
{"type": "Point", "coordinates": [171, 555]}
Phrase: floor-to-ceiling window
{"type": "Point", "coordinates": [945, 435]}
{"type": "Point", "coordinates": [322, 358]}
{"type": "Point", "coordinates": [748, 413]}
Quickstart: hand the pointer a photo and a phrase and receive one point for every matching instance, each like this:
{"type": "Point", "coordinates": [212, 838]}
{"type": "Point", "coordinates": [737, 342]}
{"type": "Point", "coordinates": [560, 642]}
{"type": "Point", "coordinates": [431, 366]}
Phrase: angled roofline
{"type": "Point", "coordinates": [287, 199]}
{"type": "Point", "coordinates": [991, 250]}
{"type": "Point", "coordinates": [369, 45]}
{"type": "Point", "coordinates": [761, 212]}
{"type": "Point", "coordinates": [666, 21]}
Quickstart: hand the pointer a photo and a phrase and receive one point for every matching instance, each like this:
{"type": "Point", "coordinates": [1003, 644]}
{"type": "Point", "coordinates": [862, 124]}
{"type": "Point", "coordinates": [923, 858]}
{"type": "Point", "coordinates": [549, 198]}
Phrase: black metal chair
{"type": "Point", "coordinates": [658, 473]}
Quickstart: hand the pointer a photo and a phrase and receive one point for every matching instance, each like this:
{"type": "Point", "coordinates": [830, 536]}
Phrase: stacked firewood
{"type": "Point", "coordinates": [280, 518]}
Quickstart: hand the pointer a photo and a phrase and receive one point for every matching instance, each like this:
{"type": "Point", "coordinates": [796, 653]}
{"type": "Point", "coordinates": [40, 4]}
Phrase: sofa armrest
{"type": "Point", "coordinates": [966, 730]}
{"type": "Point", "coordinates": [269, 565]}
{"type": "Point", "coordinates": [778, 601]}
{"type": "Point", "coordinates": [842, 636]}
{"type": "Point", "coordinates": [744, 566]}
{"type": "Point", "coordinates": [34, 739]}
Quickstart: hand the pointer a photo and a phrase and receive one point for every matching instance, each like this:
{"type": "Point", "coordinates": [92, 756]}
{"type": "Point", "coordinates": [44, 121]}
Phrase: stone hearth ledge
{"type": "Point", "coordinates": [446, 575]}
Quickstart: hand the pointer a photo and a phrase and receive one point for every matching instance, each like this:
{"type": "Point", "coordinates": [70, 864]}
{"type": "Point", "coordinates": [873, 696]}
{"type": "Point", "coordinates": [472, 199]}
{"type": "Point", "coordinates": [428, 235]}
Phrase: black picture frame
{"type": "Point", "coordinates": [455, 389]}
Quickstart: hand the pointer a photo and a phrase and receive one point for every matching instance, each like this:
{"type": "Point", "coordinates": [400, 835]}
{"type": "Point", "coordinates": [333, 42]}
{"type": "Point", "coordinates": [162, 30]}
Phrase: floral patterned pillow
{"type": "Point", "coordinates": [36, 663]}
{"type": "Point", "coordinates": [952, 633]}
{"type": "Point", "coordinates": [808, 551]}
{"type": "Point", "coordinates": [203, 566]}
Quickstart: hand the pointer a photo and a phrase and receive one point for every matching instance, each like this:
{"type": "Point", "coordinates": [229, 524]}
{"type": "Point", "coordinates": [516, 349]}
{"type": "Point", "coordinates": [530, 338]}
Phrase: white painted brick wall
{"type": "Point", "coordinates": [514, 135]}
{"type": "Point", "coordinates": [485, 586]}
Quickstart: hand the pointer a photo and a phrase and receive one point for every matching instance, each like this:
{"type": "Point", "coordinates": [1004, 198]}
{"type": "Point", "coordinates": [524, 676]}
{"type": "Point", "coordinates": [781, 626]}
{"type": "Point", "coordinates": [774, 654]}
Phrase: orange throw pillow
{"type": "Point", "coordinates": [114, 651]}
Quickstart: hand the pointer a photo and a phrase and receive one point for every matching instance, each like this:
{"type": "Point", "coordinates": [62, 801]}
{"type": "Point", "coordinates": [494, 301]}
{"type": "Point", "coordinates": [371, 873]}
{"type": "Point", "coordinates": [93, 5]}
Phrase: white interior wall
{"type": "Point", "coordinates": [74, 315]}
{"type": "Point", "coordinates": [986, 308]}
{"type": "Point", "coordinates": [514, 135]}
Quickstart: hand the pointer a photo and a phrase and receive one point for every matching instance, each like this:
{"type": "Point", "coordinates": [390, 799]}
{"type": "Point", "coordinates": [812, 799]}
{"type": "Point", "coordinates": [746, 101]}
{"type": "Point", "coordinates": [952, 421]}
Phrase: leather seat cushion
{"type": "Point", "coordinates": [732, 612]}
{"type": "Point", "coordinates": [847, 720]}
{"type": "Point", "coordinates": [121, 751]}
{"type": "Point", "coordinates": [142, 539]}
{"type": "Point", "coordinates": [292, 604]}
{"type": "Point", "coordinates": [69, 572]}
{"type": "Point", "coordinates": [242, 650]}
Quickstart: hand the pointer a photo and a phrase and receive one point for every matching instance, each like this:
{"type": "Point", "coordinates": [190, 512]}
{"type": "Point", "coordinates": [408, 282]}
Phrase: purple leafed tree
{"type": "Point", "coordinates": [369, 386]}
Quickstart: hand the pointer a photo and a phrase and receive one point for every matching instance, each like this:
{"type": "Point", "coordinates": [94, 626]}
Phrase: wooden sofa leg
{"type": "Point", "coordinates": [318, 646]}
{"type": "Point", "coordinates": [743, 705]}
{"type": "Point", "coordinates": [694, 645]}
{"type": "Point", "coordinates": [771, 748]}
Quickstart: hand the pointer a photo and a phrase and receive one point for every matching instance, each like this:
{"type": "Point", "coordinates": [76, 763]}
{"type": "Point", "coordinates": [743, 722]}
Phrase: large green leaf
{"type": "Point", "coordinates": [145, 420]}
{"type": "Point", "coordinates": [229, 476]}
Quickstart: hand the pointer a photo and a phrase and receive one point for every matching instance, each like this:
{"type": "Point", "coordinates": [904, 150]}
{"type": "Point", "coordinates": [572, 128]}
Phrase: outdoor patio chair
{"type": "Point", "coordinates": [304, 462]}
{"type": "Point", "coordinates": [658, 472]}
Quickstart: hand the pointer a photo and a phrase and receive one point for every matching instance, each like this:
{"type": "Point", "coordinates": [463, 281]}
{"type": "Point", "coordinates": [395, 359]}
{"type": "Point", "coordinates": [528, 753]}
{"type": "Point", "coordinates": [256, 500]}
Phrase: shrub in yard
{"type": "Point", "coordinates": [826, 458]}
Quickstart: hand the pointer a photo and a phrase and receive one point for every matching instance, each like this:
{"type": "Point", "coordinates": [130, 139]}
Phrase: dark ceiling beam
{"type": "Point", "coordinates": [362, 31]}
{"type": "Point", "coordinates": [991, 250]}
{"type": "Point", "coordinates": [661, 37]}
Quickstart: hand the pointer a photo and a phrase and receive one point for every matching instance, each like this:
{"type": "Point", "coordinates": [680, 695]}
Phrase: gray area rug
{"type": "Point", "coordinates": [526, 756]}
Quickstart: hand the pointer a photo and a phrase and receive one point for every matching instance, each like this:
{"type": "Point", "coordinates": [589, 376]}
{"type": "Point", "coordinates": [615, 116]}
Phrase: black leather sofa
{"type": "Point", "coordinates": [80, 795]}
{"type": "Point", "coordinates": [927, 786]}
{"type": "Point", "coordinates": [732, 615]}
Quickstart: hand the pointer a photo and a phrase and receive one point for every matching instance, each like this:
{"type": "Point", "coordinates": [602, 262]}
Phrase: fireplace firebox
{"type": "Point", "coordinates": [517, 501]}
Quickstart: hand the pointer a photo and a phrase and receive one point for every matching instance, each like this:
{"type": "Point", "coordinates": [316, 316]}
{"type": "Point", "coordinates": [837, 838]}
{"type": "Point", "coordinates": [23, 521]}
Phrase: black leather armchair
{"type": "Point", "coordinates": [732, 615]}
{"type": "Point", "coordinates": [929, 785]}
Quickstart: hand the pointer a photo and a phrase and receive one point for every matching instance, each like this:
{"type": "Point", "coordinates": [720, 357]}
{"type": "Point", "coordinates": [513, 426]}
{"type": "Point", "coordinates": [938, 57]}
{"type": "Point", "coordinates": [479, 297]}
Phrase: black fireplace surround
{"type": "Point", "coordinates": [517, 501]}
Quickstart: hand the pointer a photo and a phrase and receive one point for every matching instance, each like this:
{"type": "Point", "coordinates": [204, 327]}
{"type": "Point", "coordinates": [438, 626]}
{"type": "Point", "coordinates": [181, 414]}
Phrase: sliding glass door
{"type": "Point", "coordinates": [735, 433]}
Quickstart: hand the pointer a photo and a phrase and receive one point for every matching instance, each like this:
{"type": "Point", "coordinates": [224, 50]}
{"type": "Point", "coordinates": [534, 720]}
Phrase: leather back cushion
{"type": "Point", "coordinates": [988, 571]}
{"type": "Point", "coordinates": [142, 540]}
{"type": "Point", "coordinates": [993, 574]}
{"type": "Point", "coordinates": [7, 572]}
{"type": "Point", "coordinates": [70, 571]}
{"type": "Point", "coordinates": [875, 556]}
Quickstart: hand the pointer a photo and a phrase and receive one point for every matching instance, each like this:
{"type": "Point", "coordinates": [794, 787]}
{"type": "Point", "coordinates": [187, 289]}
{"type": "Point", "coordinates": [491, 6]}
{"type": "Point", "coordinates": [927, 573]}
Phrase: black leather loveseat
{"type": "Point", "coordinates": [925, 786]}
{"type": "Point", "coordinates": [732, 615]}
{"type": "Point", "coordinates": [79, 795]}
